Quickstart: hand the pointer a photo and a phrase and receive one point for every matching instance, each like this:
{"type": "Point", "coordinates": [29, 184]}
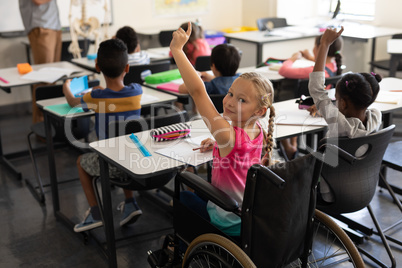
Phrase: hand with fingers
{"type": "Point", "coordinates": [330, 35]}
{"type": "Point", "coordinates": [180, 38]}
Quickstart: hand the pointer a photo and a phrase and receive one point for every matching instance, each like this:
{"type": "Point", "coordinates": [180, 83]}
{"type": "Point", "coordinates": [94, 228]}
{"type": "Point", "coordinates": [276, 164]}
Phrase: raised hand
{"type": "Point", "coordinates": [330, 35]}
{"type": "Point", "coordinates": [180, 38]}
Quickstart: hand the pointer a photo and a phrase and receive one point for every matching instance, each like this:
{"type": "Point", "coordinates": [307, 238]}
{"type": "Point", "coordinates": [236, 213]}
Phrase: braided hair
{"type": "Point", "coordinates": [265, 99]}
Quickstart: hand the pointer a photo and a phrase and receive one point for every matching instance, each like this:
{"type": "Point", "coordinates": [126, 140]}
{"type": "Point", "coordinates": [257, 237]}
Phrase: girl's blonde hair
{"type": "Point", "coordinates": [265, 97]}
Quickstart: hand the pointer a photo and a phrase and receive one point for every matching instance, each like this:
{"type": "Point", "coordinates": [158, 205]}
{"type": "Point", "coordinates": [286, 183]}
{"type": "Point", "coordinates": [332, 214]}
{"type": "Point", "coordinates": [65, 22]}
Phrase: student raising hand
{"type": "Point", "coordinates": [329, 36]}
{"type": "Point", "coordinates": [180, 38]}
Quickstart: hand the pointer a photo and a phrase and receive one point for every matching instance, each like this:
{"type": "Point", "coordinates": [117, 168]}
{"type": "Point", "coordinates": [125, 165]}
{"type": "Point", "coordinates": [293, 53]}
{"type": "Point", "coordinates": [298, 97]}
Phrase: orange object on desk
{"type": "Point", "coordinates": [24, 68]}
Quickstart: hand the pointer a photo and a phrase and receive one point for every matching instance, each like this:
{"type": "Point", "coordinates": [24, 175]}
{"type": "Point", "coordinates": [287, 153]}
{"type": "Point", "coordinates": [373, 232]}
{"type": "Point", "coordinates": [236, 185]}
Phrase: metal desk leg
{"type": "Point", "coordinates": [52, 165]}
{"type": "Point", "coordinates": [8, 164]}
{"type": "Point", "coordinates": [108, 213]}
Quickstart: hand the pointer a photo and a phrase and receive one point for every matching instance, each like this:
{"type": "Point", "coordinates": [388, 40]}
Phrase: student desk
{"type": "Point", "coordinates": [121, 151]}
{"type": "Point", "coordinates": [150, 97]}
{"type": "Point", "coordinates": [183, 98]}
{"type": "Point", "coordinates": [155, 54]}
{"type": "Point", "coordinates": [282, 42]}
{"type": "Point", "coordinates": [14, 80]}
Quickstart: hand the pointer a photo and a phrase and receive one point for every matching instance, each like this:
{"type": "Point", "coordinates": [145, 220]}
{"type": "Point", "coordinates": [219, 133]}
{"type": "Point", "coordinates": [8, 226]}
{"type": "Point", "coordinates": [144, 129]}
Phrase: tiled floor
{"type": "Point", "coordinates": [31, 236]}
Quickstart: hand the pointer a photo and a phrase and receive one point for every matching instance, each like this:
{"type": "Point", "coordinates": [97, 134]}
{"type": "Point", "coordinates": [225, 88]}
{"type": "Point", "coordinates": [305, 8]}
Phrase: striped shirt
{"type": "Point", "coordinates": [112, 105]}
{"type": "Point", "coordinates": [138, 58]}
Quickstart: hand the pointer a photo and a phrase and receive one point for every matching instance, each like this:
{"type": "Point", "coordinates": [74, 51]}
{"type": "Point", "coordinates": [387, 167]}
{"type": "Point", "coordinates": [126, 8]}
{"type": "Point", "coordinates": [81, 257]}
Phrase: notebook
{"type": "Point", "coordinates": [173, 87]}
{"type": "Point", "coordinates": [49, 74]}
{"type": "Point", "coordinates": [63, 109]}
{"type": "Point", "coordinates": [182, 150]}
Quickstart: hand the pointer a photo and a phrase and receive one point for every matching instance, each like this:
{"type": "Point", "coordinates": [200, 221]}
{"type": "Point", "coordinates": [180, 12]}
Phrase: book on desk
{"type": "Point", "coordinates": [49, 74]}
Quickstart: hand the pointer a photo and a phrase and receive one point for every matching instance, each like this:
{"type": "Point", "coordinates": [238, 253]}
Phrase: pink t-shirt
{"type": "Point", "coordinates": [229, 173]}
{"type": "Point", "coordinates": [288, 71]}
{"type": "Point", "coordinates": [202, 49]}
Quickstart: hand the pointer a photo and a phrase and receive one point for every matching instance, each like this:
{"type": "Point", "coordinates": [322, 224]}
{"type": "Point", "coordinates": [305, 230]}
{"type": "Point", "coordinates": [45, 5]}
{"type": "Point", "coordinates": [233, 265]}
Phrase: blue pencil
{"type": "Point", "coordinates": [139, 145]}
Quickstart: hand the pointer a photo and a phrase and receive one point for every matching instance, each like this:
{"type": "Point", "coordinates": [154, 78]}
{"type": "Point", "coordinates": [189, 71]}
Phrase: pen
{"type": "Point", "coordinates": [139, 145]}
{"type": "Point", "coordinates": [195, 149]}
{"type": "Point", "coordinates": [3, 80]}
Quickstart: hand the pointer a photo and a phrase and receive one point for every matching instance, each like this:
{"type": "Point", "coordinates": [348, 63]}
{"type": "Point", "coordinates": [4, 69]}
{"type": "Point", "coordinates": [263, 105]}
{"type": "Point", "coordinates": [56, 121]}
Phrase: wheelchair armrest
{"type": "Point", "coordinates": [207, 190]}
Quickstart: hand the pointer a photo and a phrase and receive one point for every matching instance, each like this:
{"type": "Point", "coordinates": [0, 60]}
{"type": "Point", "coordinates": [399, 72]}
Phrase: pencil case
{"type": "Point", "coordinates": [171, 132]}
{"type": "Point", "coordinates": [163, 77]}
{"type": "Point", "coordinates": [305, 102]}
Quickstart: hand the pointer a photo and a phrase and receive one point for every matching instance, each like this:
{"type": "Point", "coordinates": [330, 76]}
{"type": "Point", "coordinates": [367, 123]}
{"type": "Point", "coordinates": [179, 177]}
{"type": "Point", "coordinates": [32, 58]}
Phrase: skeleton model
{"type": "Point", "coordinates": [84, 27]}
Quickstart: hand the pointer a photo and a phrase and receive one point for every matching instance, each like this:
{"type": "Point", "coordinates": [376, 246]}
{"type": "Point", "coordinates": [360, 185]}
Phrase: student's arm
{"type": "Point", "coordinates": [316, 85]}
{"type": "Point", "coordinates": [183, 89]}
{"type": "Point", "coordinates": [329, 36]}
{"type": "Point", "coordinates": [72, 101]}
{"type": "Point", "coordinates": [287, 70]}
{"type": "Point", "coordinates": [217, 125]}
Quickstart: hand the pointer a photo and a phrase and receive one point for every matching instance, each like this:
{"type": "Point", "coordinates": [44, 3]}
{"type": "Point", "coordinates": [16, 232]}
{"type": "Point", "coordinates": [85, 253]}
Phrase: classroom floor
{"type": "Point", "coordinates": [31, 236]}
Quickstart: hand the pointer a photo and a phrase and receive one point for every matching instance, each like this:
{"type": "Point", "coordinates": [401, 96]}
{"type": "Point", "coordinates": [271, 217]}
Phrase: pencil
{"type": "Point", "coordinates": [195, 149]}
{"type": "Point", "coordinates": [3, 80]}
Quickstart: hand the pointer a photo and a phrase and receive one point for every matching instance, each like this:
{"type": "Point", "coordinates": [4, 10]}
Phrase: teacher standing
{"type": "Point", "coordinates": [42, 25]}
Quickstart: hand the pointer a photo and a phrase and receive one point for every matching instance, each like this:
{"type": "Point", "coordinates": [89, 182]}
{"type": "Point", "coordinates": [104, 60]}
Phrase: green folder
{"type": "Point", "coordinates": [63, 109]}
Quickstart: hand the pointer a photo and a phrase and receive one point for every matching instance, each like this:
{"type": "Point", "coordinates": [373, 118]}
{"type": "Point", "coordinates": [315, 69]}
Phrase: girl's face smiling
{"type": "Point", "coordinates": [240, 104]}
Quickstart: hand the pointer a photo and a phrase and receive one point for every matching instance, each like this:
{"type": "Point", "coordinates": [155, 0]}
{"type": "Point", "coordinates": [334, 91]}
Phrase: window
{"type": "Point", "coordinates": [354, 9]}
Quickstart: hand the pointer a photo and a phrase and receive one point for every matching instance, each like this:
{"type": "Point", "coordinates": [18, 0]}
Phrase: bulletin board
{"type": "Point", "coordinates": [170, 8]}
{"type": "Point", "coordinates": [11, 22]}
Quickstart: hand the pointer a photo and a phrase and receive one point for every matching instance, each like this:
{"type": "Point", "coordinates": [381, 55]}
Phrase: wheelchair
{"type": "Point", "coordinates": [280, 226]}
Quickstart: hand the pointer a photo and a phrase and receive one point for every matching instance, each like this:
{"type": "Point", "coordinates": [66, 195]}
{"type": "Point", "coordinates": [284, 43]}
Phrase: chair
{"type": "Point", "coordinates": [392, 160]}
{"type": "Point", "coordinates": [267, 24]}
{"type": "Point", "coordinates": [277, 227]}
{"type": "Point", "coordinates": [302, 85]}
{"type": "Point", "coordinates": [118, 128]}
{"type": "Point", "coordinates": [203, 63]}
{"type": "Point", "coordinates": [217, 100]}
{"type": "Point", "coordinates": [165, 37]}
{"type": "Point", "coordinates": [135, 73]}
{"type": "Point", "coordinates": [386, 63]}
{"type": "Point", "coordinates": [81, 128]}
{"type": "Point", "coordinates": [354, 185]}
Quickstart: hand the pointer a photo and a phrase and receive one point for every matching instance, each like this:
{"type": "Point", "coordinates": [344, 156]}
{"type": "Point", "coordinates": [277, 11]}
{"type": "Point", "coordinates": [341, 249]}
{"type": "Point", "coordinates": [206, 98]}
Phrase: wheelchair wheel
{"type": "Point", "coordinates": [211, 250]}
{"type": "Point", "coordinates": [332, 247]}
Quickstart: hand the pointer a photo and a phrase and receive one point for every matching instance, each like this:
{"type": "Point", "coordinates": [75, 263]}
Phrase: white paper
{"type": "Point", "coordinates": [48, 74]}
{"type": "Point", "coordinates": [389, 97]}
{"type": "Point", "coordinates": [183, 151]}
{"type": "Point", "coordinates": [299, 118]}
{"type": "Point", "coordinates": [145, 98]}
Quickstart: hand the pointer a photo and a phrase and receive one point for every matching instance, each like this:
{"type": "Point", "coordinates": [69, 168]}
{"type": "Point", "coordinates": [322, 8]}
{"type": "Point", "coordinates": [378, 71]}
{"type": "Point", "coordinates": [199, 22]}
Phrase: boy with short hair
{"type": "Point", "coordinates": [115, 102]}
{"type": "Point", "coordinates": [136, 56]}
{"type": "Point", "coordinates": [225, 60]}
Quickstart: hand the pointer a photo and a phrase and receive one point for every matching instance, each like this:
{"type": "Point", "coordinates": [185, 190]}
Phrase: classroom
{"type": "Point", "coordinates": [42, 197]}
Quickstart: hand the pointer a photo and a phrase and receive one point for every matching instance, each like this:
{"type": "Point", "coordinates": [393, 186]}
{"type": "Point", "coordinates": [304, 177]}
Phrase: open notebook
{"type": "Point", "coordinates": [298, 118]}
{"type": "Point", "coordinates": [49, 74]}
{"type": "Point", "coordinates": [183, 151]}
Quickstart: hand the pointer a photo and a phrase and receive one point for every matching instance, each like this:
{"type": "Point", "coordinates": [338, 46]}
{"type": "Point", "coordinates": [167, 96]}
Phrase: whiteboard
{"type": "Point", "coordinates": [11, 21]}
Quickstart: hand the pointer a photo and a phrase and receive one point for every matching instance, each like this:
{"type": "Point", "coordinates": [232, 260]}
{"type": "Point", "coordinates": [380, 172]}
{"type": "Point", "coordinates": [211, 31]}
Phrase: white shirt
{"type": "Point", "coordinates": [138, 58]}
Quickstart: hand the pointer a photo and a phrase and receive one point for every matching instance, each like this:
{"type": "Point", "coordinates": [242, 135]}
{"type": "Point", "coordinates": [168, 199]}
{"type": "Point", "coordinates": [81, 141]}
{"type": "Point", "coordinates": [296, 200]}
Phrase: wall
{"type": "Point", "coordinates": [222, 14]}
{"type": "Point", "coordinates": [135, 13]}
{"type": "Point", "coordinates": [255, 9]}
